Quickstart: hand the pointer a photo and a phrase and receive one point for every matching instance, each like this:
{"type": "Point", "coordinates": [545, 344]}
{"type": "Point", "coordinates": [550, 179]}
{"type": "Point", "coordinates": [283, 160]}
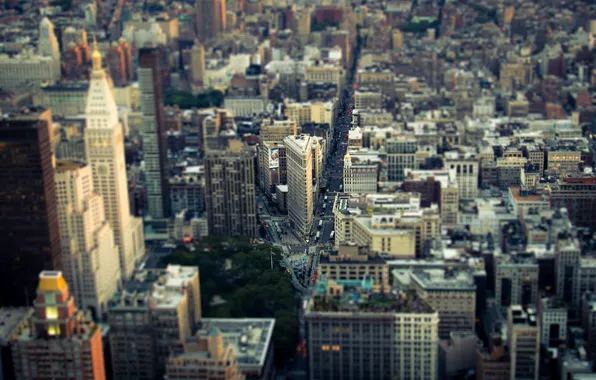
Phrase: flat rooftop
{"type": "Point", "coordinates": [258, 331]}
{"type": "Point", "coordinates": [10, 320]}
{"type": "Point", "coordinates": [359, 296]}
{"type": "Point", "coordinates": [160, 287]}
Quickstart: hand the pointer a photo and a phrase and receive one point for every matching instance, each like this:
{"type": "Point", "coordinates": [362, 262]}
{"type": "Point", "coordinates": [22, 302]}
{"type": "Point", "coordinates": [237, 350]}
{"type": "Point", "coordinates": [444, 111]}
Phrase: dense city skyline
{"type": "Point", "coordinates": [320, 189]}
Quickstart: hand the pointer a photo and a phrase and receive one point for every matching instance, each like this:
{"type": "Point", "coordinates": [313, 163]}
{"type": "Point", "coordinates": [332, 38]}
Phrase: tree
{"type": "Point", "coordinates": [251, 288]}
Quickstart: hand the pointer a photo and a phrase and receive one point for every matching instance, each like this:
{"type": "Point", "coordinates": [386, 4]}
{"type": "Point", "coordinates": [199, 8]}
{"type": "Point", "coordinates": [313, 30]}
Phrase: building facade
{"type": "Point", "coordinates": [71, 343]}
{"type": "Point", "coordinates": [29, 224]}
{"type": "Point", "coordinates": [91, 263]}
{"type": "Point", "coordinates": [300, 181]}
{"type": "Point", "coordinates": [155, 148]}
{"type": "Point", "coordinates": [230, 195]}
{"type": "Point", "coordinates": [104, 146]}
{"type": "Point", "coordinates": [359, 341]}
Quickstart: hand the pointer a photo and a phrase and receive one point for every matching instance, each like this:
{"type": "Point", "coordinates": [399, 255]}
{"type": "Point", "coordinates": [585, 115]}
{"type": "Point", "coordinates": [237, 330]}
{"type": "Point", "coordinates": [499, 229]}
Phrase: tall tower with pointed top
{"type": "Point", "coordinates": [104, 146]}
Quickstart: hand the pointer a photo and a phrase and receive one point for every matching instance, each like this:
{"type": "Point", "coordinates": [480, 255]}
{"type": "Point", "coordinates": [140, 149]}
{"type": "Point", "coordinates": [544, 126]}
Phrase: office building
{"type": "Point", "coordinates": [576, 193]}
{"type": "Point", "coordinates": [13, 320]}
{"type": "Point", "coordinates": [552, 315]}
{"type": "Point", "coordinates": [104, 146]}
{"type": "Point", "coordinates": [457, 354]}
{"type": "Point", "coordinates": [155, 145]}
{"type": "Point", "coordinates": [27, 68]}
{"type": "Point", "coordinates": [588, 320]}
{"type": "Point", "coordinates": [48, 43]}
{"type": "Point", "coordinates": [59, 341]}
{"type": "Point", "coordinates": [516, 279]}
{"type": "Point", "coordinates": [401, 156]}
{"type": "Point", "coordinates": [155, 312]}
{"type": "Point", "coordinates": [230, 195]}
{"type": "Point", "coordinates": [90, 255]}
{"type": "Point", "coordinates": [351, 262]}
{"type": "Point", "coordinates": [119, 61]}
{"type": "Point", "coordinates": [300, 181]}
{"type": "Point", "coordinates": [272, 158]}
{"type": "Point", "coordinates": [352, 330]}
{"type": "Point", "coordinates": [493, 363]}
{"type": "Point", "coordinates": [207, 357]}
{"type": "Point", "coordinates": [524, 342]}
{"type": "Point", "coordinates": [451, 294]}
{"type": "Point", "coordinates": [29, 223]}
{"type": "Point", "coordinates": [359, 177]}
{"type": "Point", "coordinates": [211, 18]}
{"type": "Point", "coordinates": [466, 173]}
{"type": "Point", "coordinates": [197, 66]}
{"type": "Point", "coordinates": [567, 263]}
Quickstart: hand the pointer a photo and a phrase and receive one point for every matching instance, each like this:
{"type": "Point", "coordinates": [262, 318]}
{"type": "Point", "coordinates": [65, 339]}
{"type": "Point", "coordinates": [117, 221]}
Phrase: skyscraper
{"type": "Point", "coordinates": [48, 43]}
{"type": "Point", "coordinates": [104, 146]}
{"type": "Point", "coordinates": [299, 162]}
{"type": "Point", "coordinates": [70, 342]}
{"type": "Point", "coordinates": [211, 18]}
{"type": "Point", "coordinates": [29, 218]}
{"type": "Point", "coordinates": [155, 143]}
{"type": "Point", "coordinates": [230, 196]}
{"type": "Point", "coordinates": [90, 256]}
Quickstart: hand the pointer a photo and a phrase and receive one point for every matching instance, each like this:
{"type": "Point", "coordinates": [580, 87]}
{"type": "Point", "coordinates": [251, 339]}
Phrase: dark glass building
{"type": "Point", "coordinates": [29, 233]}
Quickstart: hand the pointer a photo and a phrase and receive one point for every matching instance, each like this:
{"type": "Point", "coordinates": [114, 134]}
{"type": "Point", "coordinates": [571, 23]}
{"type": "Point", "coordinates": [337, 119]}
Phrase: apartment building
{"type": "Point", "coordinates": [356, 340]}
{"type": "Point", "coordinates": [155, 312]}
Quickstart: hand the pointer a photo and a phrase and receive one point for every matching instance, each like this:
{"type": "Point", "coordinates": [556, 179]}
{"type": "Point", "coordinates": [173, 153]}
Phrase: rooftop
{"type": "Point", "coordinates": [11, 318]}
{"type": "Point", "coordinates": [68, 165]}
{"type": "Point", "coordinates": [362, 296]}
{"type": "Point", "coordinates": [439, 279]}
{"type": "Point", "coordinates": [154, 288]}
{"type": "Point", "coordinates": [251, 351]}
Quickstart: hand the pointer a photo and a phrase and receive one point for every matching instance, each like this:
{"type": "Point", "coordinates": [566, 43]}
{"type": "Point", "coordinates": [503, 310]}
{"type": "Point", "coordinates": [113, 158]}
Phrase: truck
{"type": "Point", "coordinates": [332, 235]}
{"type": "Point", "coordinates": [318, 235]}
{"type": "Point", "coordinates": [320, 223]}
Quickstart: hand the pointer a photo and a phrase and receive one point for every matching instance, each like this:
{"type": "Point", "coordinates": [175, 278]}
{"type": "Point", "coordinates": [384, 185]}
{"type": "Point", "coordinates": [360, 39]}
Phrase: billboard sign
{"type": "Point", "coordinates": [274, 158]}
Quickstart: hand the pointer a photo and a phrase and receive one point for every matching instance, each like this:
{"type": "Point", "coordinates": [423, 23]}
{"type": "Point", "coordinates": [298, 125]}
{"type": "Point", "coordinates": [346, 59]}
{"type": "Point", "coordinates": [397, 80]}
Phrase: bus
{"type": "Point", "coordinates": [320, 223]}
{"type": "Point", "coordinates": [332, 235]}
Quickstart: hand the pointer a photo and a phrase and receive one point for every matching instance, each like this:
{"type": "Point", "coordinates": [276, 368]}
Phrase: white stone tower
{"type": "Point", "coordinates": [90, 256]}
{"type": "Point", "coordinates": [104, 146]}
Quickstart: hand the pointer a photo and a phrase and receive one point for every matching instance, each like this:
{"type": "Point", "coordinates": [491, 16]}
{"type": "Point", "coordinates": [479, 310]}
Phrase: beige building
{"type": "Point", "coordinates": [277, 130]}
{"type": "Point", "coordinates": [300, 182]}
{"type": "Point", "coordinates": [90, 255]}
{"type": "Point", "coordinates": [311, 112]}
{"type": "Point", "coordinates": [380, 235]}
{"type": "Point", "coordinates": [325, 73]}
{"type": "Point", "coordinates": [351, 262]}
{"type": "Point", "coordinates": [347, 339]}
{"type": "Point", "coordinates": [453, 296]}
{"type": "Point", "coordinates": [564, 161]}
{"type": "Point", "coordinates": [230, 194]}
{"type": "Point", "coordinates": [104, 146]}
{"type": "Point", "coordinates": [523, 332]}
{"type": "Point", "coordinates": [466, 169]}
{"type": "Point", "coordinates": [18, 71]}
{"type": "Point", "coordinates": [205, 356]}
{"type": "Point", "coordinates": [154, 313]}
{"type": "Point", "coordinates": [368, 99]}
{"type": "Point", "coordinates": [359, 178]}
{"type": "Point", "coordinates": [197, 66]}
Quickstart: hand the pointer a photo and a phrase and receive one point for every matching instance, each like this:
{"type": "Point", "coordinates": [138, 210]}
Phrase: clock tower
{"type": "Point", "coordinates": [104, 147]}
